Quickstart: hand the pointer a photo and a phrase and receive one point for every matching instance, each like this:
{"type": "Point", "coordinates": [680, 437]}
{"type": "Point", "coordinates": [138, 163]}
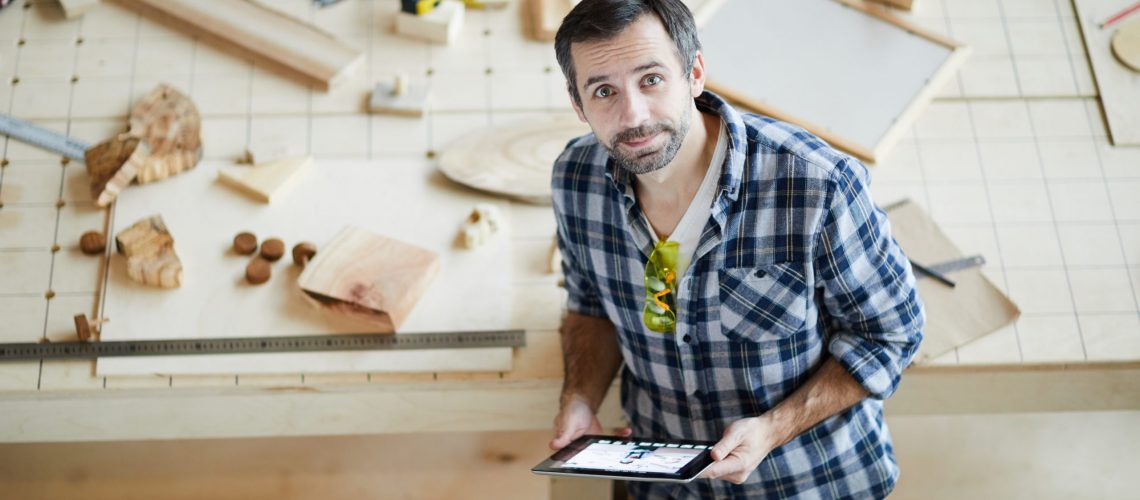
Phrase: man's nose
{"type": "Point", "coordinates": [635, 110]}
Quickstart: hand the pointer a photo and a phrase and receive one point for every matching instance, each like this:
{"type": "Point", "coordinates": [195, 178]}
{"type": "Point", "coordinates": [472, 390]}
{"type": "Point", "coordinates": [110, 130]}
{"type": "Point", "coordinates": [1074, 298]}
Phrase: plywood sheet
{"type": "Point", "coordinates": [856, 79]}
{"type": "Point", "coordinates": [1119, 85]}
{"type": "Point", "coordinates": [954, 316]}
{"type": "Point", "coordinates": [399, 198]}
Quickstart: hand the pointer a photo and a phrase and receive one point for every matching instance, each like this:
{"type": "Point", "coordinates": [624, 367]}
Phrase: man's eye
{"type": "Point", "coordinates": [653, 79]}
{"type": "Point", "coordinates": [603, 92]}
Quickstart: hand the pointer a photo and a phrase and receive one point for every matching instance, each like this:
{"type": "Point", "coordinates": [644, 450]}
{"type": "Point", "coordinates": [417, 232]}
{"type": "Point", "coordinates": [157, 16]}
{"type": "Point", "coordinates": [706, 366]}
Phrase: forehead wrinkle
{"type": "Point", "coordinates": [616, 57]}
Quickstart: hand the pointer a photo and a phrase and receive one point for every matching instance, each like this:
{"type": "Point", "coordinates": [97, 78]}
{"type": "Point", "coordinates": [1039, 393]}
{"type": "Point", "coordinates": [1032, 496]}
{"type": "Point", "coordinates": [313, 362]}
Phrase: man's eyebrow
{"type": "Point", "coordinates": [601, 78]}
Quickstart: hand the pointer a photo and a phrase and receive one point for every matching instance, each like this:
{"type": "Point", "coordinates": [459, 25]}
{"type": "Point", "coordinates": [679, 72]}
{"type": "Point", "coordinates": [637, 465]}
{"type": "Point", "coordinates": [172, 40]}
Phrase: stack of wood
{"type": "Point", "coordinates": [149, 249]}
{"type": "Point", "coordinates": [164, 139]}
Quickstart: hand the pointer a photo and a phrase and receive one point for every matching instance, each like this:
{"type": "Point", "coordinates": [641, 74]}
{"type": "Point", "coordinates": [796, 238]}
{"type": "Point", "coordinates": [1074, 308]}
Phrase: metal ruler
{"type": "Point", "coordinates": [304, 343]}
{"type": "Point", "coordinates": [41, 137]}
{"type": "Point", "coordinates": [958, 264]}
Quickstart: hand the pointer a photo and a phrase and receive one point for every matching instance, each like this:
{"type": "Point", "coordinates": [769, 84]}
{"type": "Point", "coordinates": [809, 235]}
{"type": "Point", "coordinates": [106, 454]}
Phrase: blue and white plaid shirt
{"type": "Point", "coordinates": [795, 264]}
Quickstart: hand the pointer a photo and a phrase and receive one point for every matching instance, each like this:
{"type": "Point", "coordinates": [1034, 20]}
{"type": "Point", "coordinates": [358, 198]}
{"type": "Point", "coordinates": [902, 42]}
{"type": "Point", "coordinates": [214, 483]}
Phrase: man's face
{"type": "Point", "coordinates": [635, 95]}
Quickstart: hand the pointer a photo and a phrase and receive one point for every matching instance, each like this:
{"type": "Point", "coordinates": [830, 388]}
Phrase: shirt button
{"type": "Point", "coordinates": [688, 339]}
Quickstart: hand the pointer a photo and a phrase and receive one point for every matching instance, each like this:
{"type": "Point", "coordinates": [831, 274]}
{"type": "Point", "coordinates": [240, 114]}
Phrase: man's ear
{"type": "Point", "coordinates": [697, 76]}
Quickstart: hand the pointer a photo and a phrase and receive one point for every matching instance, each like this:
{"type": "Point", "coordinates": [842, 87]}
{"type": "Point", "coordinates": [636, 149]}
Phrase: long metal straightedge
{"type": "Point", "coordinates": [41, 137]}
{"type": "Point", "coordinates": [304, 343]}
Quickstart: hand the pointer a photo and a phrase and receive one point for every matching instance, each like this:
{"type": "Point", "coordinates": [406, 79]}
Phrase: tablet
{"type": "Point", "coordinates": [630, 459]}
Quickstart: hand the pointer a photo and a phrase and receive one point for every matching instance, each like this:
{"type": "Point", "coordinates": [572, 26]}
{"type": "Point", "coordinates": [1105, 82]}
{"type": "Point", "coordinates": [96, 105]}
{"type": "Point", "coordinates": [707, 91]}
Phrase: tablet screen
{"type": "Point", "coordinates": [630, 458]}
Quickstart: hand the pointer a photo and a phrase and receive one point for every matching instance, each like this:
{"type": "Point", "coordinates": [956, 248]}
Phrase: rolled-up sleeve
{"type": "Point", "coordinates": [581, 294]}
{"type": "Point", "coordinates": [873, 308]}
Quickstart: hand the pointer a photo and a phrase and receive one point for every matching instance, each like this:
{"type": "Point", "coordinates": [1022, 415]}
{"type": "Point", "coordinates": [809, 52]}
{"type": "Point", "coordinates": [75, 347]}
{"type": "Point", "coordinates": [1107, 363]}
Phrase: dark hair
{"type": "Point", "coordinates": [596, 20]}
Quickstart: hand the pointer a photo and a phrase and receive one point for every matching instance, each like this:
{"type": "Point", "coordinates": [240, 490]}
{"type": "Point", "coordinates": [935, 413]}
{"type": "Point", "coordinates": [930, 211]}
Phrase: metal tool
{"type": "Point", "coordinates": [958, 264]}
{"type": "Point", "coordinates": [304, 343]}
{"type": "Point", "coordinates": [938, 271]}
{"type": "Point", "coordinates": [41, 137]}
{"type": "Point", "coordinates": [933, 274]}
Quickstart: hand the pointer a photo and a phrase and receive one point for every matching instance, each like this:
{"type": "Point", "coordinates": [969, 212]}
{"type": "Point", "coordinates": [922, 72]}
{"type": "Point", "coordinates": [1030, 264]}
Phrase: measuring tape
{"type": "Point", "coordinates": [245, 345]}
{"type": "Point", "coordinates": [41, 137]}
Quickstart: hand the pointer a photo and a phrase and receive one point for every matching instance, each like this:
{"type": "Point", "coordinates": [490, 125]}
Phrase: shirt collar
{"type": "Point", "coordinates": [733, 168]}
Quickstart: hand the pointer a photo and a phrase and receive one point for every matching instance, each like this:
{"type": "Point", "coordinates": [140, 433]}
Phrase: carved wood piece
{"type": "Point", "coordinates": [169, 123]}
{"type": "Point", "coordinates": [149, 248]}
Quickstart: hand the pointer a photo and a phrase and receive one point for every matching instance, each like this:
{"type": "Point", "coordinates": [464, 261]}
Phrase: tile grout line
{"type": "Point", "coordinates": [989, 205]}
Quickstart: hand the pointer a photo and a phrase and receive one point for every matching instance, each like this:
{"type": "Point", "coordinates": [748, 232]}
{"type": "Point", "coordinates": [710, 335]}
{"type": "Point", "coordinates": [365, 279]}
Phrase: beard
{"type": "Point", "coordinates": [649, 161]}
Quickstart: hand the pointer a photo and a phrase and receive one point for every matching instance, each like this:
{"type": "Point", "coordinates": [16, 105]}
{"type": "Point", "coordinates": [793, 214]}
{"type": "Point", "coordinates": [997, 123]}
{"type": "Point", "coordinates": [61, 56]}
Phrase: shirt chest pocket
{"type": "Point", "coordinates": [764, 303]}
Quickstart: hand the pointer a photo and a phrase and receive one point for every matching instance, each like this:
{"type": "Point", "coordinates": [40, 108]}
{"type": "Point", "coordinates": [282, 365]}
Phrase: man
{"type": "Point", "coordinates": [735, 264]}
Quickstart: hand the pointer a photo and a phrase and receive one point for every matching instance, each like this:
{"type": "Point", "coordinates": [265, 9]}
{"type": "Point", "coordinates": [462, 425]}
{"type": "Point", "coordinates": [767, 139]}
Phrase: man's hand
{"type": "Point", "coordinates": [575, 420]}
{"type": "Point", "coordinates": [745, 443]}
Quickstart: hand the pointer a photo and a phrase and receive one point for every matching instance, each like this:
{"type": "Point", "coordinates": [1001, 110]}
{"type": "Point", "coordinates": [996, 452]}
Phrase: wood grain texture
{"type": "Point", "coordinates": [514, 160]}
{"type": "Point", "coordinates": [167, 121]}
{"type": "Point", "coordinates": [367, 276]}
{"type": "Point", "coordinates": [274, 39]}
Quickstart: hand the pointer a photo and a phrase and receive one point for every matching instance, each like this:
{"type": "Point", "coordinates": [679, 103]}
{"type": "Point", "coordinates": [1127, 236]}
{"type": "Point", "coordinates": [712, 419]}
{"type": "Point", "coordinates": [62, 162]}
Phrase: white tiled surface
{"type": "Point", "coordinates": [1011, 159]}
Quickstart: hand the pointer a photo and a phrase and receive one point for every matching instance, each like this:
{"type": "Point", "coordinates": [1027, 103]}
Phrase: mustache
{"type": "Point", "coordinates": [641, 132]}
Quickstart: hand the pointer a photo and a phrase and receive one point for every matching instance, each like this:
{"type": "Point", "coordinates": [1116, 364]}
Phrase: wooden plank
{"type": "Point", "coordinates": [871, 75]}
{"type": "Point", "coordinates": [249, 30]}
{"type": "Point", "coordinates": [265, 180]}
{"type": "Point", "coordinates": [1118, 85]}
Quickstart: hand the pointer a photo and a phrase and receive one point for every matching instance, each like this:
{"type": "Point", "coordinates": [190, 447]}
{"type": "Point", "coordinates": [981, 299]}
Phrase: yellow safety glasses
{"type": "Point", "coordinates": [660, 282]}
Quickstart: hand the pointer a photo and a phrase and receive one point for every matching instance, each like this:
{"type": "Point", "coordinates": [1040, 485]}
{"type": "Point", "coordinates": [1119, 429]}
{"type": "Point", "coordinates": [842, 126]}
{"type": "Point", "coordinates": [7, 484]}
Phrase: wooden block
{"type": "Point", "coordinates": [483, 223]}
{"type": "Point", "coordinates": [112, 165]}
{"type": "Point", "coordinates": [264, 181]}
{"type": "Point", "coordinates": [399, 97]}
{"type": "Point", "coordinates": [369, 277]}
{"type": "Point", "coordinates": [545, 17]}
{"type": "Point", "coordinates": [75, 8]}
{"type": "Point", "coordinates": [149, 249]}
{"type": "Point", "coordinates": [271, 38]}
{"type": "Point", "coordinates": [169, 123]}
{"type": "Point", "coordinates": [441, 25]}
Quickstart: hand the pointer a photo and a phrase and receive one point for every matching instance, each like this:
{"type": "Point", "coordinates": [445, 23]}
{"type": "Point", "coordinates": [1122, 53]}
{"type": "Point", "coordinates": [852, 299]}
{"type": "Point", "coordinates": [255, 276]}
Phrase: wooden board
{"type": "Point", "coordinates": [514, 160]}
{"type": "Point", "coordinates": [856, 78]}
{"type": "Point", "coordinates": [290, 46]}
{"type": "Point", "coordinates": [954, 316]}
{"type": "Point", "coordinates": [370, 277]}
{"type": "Point", "coordinates": [403, 199]}
{"type": "Point", "coordinates": [1119, 86]}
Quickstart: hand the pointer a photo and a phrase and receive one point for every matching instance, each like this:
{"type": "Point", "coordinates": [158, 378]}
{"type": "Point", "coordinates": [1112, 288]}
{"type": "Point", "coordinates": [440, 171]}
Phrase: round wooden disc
{"type": "Point", "coordinates": [1126, 44]}
{"type": "Point", "coordinates": [245, 243]}
{"type": "Point", "coordinates": [514, 160]}
{"type": "Point", "coordinates": [93, 243]}
{"type": "Point", "coordinates": [273, 249]}
{"type": "Point", "coordinates": [258, 271]}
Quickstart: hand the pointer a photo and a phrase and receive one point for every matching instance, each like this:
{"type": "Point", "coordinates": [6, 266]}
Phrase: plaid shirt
{"type": "Point", "coordinates": [795, 260]}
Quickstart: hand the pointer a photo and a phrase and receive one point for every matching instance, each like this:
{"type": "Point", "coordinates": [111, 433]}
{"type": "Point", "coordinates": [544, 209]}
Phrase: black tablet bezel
{"type": "Point", "coordinates": [686, 474]}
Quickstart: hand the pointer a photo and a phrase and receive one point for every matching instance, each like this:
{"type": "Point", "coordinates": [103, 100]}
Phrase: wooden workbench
{"type": "Point", "coordinates": [1067, 353]}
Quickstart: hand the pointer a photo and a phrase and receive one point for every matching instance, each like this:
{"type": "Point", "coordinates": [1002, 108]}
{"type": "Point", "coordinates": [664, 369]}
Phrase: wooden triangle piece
{"type": "Point", "coordinates": [265, 180]}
